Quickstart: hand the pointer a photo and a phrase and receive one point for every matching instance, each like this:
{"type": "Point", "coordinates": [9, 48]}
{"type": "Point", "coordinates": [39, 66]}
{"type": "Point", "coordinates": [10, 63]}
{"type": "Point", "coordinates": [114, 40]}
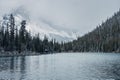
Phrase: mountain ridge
{"type": "Point", "coordinates": [43, 28]}
{"type": "Point", "coordinates": [104, 38]}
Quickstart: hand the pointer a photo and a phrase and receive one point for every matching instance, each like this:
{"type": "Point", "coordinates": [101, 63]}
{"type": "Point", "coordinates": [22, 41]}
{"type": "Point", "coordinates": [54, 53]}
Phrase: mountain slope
{"type": "Point", "coordinates": [42, 27]}
{"type": "Point", "coordinates": [39, 26]}
{"type": "Point", "coordinates": [105, 38]}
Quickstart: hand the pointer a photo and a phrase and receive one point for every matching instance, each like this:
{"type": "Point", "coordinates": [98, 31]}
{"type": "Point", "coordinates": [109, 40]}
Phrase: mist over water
{"type": "Point", "coordinates": [65, 66]}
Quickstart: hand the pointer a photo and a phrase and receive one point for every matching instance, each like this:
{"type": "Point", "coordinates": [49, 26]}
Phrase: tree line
{"type": "Point", "coordinates": [13, 38]}
{"type": "Point", "coordinates": [104, 38]}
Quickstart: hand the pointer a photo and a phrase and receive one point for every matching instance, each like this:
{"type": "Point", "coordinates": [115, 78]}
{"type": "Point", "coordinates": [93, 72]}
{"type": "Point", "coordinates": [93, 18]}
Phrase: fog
{"type": "Point", "coordinates": [79, 16]}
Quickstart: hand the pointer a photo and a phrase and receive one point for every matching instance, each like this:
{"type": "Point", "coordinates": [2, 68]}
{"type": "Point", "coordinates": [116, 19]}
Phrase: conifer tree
{"type": "Point", "coordinates": [12, 32]}
{"type": "Point", "coordinates": [22, 31]}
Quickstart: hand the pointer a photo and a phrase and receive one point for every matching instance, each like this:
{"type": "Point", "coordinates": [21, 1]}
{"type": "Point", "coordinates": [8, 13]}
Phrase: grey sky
{"type": "Point", "coordinates": [69, 15]}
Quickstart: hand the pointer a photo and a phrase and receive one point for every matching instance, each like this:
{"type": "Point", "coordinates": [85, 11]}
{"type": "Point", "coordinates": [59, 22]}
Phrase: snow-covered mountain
{"type": "Point", "coordinates": [41, 27]}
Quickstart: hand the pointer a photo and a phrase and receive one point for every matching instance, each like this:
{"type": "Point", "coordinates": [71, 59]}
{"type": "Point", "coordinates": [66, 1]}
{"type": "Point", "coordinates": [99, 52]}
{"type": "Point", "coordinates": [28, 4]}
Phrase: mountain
{"type": "Point", "coordinates": [104, 38]}
{"type": "Point", "coordinates": [15, 37]}
{"type": "Point", "coordinates": [41, 27]}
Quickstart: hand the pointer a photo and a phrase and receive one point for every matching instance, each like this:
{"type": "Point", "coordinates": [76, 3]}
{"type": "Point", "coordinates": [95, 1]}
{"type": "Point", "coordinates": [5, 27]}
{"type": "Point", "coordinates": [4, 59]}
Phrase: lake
{"type": "Point", "coordinates": [62, 66]}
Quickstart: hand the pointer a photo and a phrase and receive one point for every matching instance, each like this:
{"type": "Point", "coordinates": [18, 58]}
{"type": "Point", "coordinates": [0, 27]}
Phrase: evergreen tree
{"type": "Point", "coordinates": [2, 36]}
{"type": "Point", "coordinates": [16, 39]}
{"type": "Point", "coordinates": [22, 32]}
{"type": "Point", "coordinates": [12, 32]}
{"type": "Point", "coordinates": [6, 38]}
{"type": "Point", "coordinates": [45, 44]}
{"type": "Point", "coordinates": [28, 39]}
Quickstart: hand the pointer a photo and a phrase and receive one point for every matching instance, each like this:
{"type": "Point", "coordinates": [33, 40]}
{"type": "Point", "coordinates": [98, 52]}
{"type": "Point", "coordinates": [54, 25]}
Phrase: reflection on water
{"type": "Point", "coordinates": [12, 68]}
{"type": "Point", "coordinates": [61, 67]}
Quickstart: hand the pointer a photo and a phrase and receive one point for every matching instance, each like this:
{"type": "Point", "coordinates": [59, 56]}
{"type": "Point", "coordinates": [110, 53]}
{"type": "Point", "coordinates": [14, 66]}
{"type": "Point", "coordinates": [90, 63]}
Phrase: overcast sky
{"type": "Point", "coordinates": [69, 15]}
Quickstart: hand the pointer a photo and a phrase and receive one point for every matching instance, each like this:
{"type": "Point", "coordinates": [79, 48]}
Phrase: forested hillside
{"type": "Point", "coordinates": [17, 38]}
{"type": "Point", "coordinates": [105, 38]}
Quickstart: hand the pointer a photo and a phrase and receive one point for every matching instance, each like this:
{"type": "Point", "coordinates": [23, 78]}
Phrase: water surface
{"type": "Point", "coordinates": [73, 66]}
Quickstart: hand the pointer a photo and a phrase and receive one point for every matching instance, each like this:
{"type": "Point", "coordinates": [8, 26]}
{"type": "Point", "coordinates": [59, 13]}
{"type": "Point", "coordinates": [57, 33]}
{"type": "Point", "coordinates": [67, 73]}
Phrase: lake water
{"type": "Point", "coordinates": [73, 66]}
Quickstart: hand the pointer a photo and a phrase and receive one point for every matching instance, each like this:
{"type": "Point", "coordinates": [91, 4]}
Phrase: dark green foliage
{"type": "Point", "coordinates": [14, 39]}
{"type": "Point", "coordinates": [12, 32]}
{"type": "Point", "coordinates": [22, 32]}
{"type": "Point", "coordinates": [105, 38]}
{"type": "Point", "coordinates": [6, 41]}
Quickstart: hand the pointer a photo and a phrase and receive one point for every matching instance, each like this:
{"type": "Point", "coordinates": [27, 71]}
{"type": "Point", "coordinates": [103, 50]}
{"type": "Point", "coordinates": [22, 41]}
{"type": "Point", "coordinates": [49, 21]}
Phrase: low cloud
{"type": "Point", "coordinates": [68, 15]}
